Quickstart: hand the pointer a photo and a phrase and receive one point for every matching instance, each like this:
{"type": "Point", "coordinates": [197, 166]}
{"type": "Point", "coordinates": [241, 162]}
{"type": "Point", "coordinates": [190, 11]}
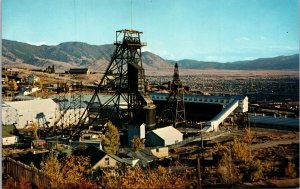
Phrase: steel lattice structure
{"type": "Point", "coordinates": [125, 76]}
{"type": "Point", "coordinates": [174, 111]}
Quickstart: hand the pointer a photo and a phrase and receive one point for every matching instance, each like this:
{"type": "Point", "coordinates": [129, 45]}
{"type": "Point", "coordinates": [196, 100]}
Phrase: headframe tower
{"type": "Point", "coordinates": [174, 110]}
{"type": "Point", "coordinates": [125, 76]}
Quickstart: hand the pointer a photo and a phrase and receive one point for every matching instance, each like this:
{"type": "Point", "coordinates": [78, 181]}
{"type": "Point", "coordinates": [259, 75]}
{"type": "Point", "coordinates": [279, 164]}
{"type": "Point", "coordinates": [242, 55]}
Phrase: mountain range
{"type": "Point", "coordinates": [96, 57]}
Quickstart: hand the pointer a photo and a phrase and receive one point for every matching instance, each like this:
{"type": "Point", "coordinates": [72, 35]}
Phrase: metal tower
{"type": "Point", "coordinates": [125, 77]}
{"type": "Point", "coordinates": [174, 110]}
{"type": "Point", "coordinates": [70, 103]}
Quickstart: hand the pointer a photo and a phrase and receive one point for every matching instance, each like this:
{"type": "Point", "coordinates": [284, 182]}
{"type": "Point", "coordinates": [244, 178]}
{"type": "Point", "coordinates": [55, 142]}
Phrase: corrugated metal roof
{"type": "Point", "coordinates": [291, 122]}
{"type": "Point", "coordinates": [167, 132]}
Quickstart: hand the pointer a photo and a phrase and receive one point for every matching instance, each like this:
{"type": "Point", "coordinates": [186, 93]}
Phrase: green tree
{"type": "Point", "coordinates": [111, 139]}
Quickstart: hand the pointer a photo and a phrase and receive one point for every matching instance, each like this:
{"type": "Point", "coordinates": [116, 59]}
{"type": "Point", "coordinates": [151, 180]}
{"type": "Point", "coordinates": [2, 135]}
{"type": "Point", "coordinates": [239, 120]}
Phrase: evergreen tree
{"type": "Point", "coordinates": [111, 139]}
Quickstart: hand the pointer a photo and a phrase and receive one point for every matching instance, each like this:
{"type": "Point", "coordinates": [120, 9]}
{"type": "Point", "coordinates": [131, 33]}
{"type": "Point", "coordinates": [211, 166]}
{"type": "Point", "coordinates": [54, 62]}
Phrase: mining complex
{"type": "Point", "coordinates": [173, 121]}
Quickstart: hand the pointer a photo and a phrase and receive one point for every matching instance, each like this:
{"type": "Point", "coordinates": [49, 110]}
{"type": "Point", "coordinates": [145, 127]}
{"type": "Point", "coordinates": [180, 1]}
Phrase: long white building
{"type": "Point", "coordinates": [230, 104]}
{"type": "Point", "coordinates": [27, 112]}
{"type": "Point", "coordinates": [44, 112]}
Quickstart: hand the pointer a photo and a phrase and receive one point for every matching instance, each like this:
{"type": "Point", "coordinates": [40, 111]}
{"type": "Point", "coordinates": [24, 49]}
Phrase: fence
{"type": "Point", "coordinates": [18, 170]}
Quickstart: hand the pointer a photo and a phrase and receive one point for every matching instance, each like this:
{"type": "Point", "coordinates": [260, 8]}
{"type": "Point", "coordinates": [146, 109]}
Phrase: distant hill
{"type": "Point", "coordinates": [96, 57]}
{"type": "Point", "coordinates": [275, 63]}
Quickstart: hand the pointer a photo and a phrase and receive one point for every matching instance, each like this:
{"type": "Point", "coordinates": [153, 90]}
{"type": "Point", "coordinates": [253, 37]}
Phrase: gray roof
{"type": "Point", "coordinates": [280, 121]}
{"type": "Point", "coordinates": [166, 132]}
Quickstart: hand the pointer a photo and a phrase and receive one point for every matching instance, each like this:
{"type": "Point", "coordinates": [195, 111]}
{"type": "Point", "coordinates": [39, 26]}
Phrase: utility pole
{"type": "Point", "coordinates": [199, 172]}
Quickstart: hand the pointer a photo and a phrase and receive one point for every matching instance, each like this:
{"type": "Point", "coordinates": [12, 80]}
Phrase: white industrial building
{"type": "Point", "coordinates": [44, 112]}
{"type": "Point", "coordinates": [38, 111]}
{"type": "Point", "coordinates": [9, 115]}
{"type": "Point", "coordinates": [164, 136]}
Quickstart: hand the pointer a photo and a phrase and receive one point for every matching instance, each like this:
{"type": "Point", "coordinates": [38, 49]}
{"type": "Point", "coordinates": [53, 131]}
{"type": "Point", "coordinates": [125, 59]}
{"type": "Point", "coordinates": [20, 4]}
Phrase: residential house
{"type": "Point", "coordinates": [98, 158]}
{"type": "Point", "coordinates": [28, 90]}
{"type": "Point", "coordinates": [10, 135]}
{"type": "Point", "coordinates": [33, 79]}
{"type": "Point", "coordinates": [101, 160]}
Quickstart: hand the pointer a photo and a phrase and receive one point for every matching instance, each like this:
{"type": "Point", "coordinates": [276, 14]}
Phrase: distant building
{"type": "Point", "coordinates": [50, 69]}
{"type": "Point", "coordinates": [164, 136]}
{"type": "Point", "coordinates": [78, 71]}
{"type": "Point", "coordinates": [28, 90]}
{"type": "Point", "coordinates": [273, 122]}
{"type": "Point", "coordinates": [33, 79]}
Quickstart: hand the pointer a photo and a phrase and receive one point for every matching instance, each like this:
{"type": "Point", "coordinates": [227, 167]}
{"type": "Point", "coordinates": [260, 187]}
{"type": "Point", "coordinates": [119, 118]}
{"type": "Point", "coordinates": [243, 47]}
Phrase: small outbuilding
{"type": "Point", "coordinates": [164, 136]}
{"type": "Point", "coordinates": [10, 135]}
{"type": "Point", "coordinates": [79, 71]}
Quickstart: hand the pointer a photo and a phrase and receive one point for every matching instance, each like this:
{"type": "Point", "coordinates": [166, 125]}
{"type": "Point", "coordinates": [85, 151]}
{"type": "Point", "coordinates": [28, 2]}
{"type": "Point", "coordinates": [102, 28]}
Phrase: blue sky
{"type": "Point", "coordinates": [208, 30]}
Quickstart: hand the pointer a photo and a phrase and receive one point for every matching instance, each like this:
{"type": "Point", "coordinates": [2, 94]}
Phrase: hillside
{"type": "Point", "coordinates": [275, 63]}
{"type": "Point", "coordinates": [96, 57]}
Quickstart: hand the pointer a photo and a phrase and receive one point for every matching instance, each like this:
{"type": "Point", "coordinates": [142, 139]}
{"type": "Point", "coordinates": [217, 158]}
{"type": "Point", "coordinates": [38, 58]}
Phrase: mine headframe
{"type": "Point", "coordinates": [125, 77]}
{"type": "Point", "coordinates": [174, 110]}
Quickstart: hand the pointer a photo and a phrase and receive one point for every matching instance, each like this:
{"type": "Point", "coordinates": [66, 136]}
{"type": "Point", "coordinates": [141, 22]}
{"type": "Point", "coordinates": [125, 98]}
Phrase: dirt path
{"type": "Point", "coordinates": [274, 143]}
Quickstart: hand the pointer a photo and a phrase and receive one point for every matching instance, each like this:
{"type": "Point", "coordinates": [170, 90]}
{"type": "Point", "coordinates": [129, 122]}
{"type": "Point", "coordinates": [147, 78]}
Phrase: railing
{"type": "Point", "coordinates": [18, 170]}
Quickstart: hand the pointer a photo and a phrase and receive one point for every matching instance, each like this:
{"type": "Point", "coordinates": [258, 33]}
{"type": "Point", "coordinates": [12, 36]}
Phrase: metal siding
{"type": "Point", "coordinates": [27, 110]}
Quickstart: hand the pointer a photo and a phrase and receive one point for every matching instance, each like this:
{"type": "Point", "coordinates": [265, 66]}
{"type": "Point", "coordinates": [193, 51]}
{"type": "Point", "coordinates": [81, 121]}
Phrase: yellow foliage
{"type": "Point", "coordinates": [240, 151]}
{"type": "Point", "coordinates": [67, 172]}
{"type": "Point", "coordinates": [156, 178]}
{"type": "Point", "coordinates": [52, 168]}
{"type": "Point", "coordinates": [13, 85]}
{"type": "Point", "coordinates": [248, 136]}
{"type": "Point", "coordinates": [137, 143]}
{"type": "Point", "coordinates": [290, 170]}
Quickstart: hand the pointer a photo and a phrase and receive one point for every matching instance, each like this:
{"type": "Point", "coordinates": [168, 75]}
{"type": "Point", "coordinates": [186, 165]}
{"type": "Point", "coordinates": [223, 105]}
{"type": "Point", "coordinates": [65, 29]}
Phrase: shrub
{"type": "Point", "coordinates": [255, 170]}
{"type": "Point", "coordinates": [241, 151]}
{"type": "Point", "coordinates": [227, 171]}
{"type": "Point", "coordinates": [290, 170]}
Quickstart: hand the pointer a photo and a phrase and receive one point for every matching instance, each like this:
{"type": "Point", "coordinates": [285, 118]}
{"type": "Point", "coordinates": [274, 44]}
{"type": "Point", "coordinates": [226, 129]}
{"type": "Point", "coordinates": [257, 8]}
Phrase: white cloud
{"type": "Point", "coordinates": [36, 43]}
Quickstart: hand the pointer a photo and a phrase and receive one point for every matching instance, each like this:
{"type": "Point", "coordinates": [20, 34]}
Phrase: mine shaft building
{"type": "Point", "coordinates": [164, 136]}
